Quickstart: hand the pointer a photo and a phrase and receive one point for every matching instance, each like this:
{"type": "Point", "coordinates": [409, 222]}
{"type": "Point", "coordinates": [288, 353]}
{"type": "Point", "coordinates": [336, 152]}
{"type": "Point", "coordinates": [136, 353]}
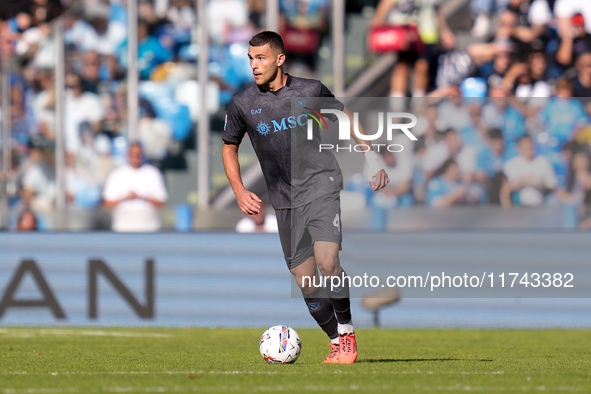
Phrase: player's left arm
{"type": "Point", "coordinates": [378, 179]}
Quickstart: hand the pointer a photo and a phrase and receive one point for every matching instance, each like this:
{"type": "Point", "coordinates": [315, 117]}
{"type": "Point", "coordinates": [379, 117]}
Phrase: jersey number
{"type": "Point", "coordinates": [337, 222]}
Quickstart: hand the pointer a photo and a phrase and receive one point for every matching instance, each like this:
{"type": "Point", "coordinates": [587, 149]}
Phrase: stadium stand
{"type": "Point", "coordinates": [531, 67]}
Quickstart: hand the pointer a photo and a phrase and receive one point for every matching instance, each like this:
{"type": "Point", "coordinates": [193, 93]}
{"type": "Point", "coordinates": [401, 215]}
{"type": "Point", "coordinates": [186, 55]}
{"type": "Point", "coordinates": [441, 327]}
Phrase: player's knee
{"type": "Point", "coordinates": [329, 265]}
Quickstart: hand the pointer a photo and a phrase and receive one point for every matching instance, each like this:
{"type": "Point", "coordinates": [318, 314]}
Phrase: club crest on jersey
{"type": "Point", "coordinates": [263, 128]}
{"type": "Point", "coordinates": [300, 102]}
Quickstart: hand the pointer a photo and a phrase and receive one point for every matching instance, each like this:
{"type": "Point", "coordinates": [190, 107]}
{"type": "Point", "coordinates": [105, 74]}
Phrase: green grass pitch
{"type": "Point", "coordinates": [87, 360]}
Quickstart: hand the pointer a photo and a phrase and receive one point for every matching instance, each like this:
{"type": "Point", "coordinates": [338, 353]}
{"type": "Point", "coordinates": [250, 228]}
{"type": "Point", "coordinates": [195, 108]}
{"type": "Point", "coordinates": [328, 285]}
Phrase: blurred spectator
{"type": "Point", "coordinates": [449, 147]}
{"type": "Point", "coordinates": [577, 190]}
{"type": "Point", "coordinates": [505, 44]}
{"type": "Point", "coordinates": [107, 35]}
{"type": "Point", "coordinates": [262, 222]}
{"type": "Point", "coordinates": [453, 113]}
{"type": "Point", "coordinates": [490, 162]}
{"type": "Point", "coordinates": [182, 15]}
{"type": "Point", "coordinates": [90, 28]}
{"type": "Point", "coordinates": [473, 131]}
{"type": "Point", "coordinates": [532, 18]}
{"type": "Point", "coordinates": [29, 40]}
{"type": "Point", "coordinates": [583, 135]}
{"type": "Point", "coordinates": [540, 12]}
{"type": "Point", "coordinates": [87, 152]}
{"type": "Point", "coordinates": [91, 68]}
{"type": "Point", "coordinates": [182, 19]}
{"type": "Point", "coordinates": [566, 9]}
{"type": "Point", "coordinates": [150, 51]}
{"type": "Point", "coordinates": [574, 42]}
{"type": "Point", "coordinates": [529, 177]}
{"type": "Point", "coordinates": [256, 13]}
{"type": "Point", "coordinates": [81, 107]}
{"type": "Point", "coordinates": [562, 167]}
{"type": "Point", "coordinates": [492, 157]}
{"type": "Point", "coordinates": [438, 153]}
{"type": "Point", "coordinates": [433, 30]}
{"type": "Point", "coordinates": [582, 84]}
{"type": "Point", "coordinates": [482, 10]}
{"type": "Point", "coordinates": [578, 182]}
{"type": "Point", "coordinates": [78, 32]}
{"type": "Point", "coordinates": [155, 136]}
{"type": "Point", "coordinates": [528, 80]}
{"type": "Point", "coordinates": [135, 191]}
{"type": "Point", "coordinates": [27, 221]}
{"type": "Point", "coordinates": [502, 113]}
{"type": "Point", "coordinates": [495, 72]}
{"type": "Point", "coordinates": [38, 189]}
{"type": "Point", "coordinates": [228, 27]}
{"type": "Point", "coordinates": [103, 163]}
{"type": "Point", "coordinates": [446, 189]}
{"type": "Point", "coordinates": [562, 116]}
{"type": "Point", "coordinates": [399, 167]}
{"type": "Point", "coordinates": [419, 192]}
{"type": "Point", "coordinates": [44, 104]}
{"type": "Point", "coordinates": [302, 24]}
{"type": "Point", "coordinates": [81, 188]}
{"type": "Point", "coordinates": [22, 121]}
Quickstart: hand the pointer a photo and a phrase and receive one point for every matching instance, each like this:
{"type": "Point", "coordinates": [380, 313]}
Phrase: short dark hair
{"type": "Point", "coordinates": [495, 134]}
{"type": "Point", "coordinates": [564, 83]}
{"type": "Point", "coordinates": [134, 144]}
{"type": "Point", "coordinates": [268, 37]}
{"type": "Point", "coordinates": [447, 131]}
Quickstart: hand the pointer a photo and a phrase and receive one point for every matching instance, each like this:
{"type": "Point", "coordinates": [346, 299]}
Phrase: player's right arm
{"type": "Point", "coordinates": [248, 202]}
{"type": "Point", "coordinates": [234, 131]}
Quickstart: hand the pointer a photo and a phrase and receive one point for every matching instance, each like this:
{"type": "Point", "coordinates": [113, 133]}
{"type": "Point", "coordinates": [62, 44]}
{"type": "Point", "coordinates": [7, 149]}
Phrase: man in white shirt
{"type": "Point", "coordinates": [81, 106]}
{"type": "Point", "coordinates": [528, 175]}
{"type": "Point", "coordinates": [449, 147]}
{"type": "Point", "coordinates": [135, 191]}
{"type": "Point", "coordinates": [399, 167]}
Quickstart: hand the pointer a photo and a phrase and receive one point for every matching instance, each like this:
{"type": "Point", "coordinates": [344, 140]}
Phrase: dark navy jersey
{"type": "Point", "coordinates": [295, 171]}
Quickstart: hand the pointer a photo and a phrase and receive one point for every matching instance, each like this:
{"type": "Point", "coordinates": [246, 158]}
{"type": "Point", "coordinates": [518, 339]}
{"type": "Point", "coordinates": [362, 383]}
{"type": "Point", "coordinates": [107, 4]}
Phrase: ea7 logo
{"type": "Point", "coordinates": [256, 111]}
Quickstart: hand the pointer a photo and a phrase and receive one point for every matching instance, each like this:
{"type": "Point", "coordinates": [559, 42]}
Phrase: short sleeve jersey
{"type": "Point", "coordinates": [295, 171]}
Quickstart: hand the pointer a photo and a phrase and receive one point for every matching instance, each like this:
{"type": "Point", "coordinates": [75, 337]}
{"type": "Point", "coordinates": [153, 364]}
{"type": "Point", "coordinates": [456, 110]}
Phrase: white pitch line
{"type": "Point", "coordinates": [18, 333]}
{"type": "Point", "coordinates": [56, 373]}
{"type": "Point", "coordinates": [41, 390]}
{"type": "Point", "coordinates": [122, 389]}
{"type": "Point", "coordinates": [238, 372]}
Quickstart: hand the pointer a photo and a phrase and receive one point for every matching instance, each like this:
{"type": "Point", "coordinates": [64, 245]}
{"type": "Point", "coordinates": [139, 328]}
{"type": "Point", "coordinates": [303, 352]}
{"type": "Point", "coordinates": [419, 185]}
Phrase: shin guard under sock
{"type": "Point", "coordinates": [321, 309]}
{"type": "Point", "coordinates": [339, 296]}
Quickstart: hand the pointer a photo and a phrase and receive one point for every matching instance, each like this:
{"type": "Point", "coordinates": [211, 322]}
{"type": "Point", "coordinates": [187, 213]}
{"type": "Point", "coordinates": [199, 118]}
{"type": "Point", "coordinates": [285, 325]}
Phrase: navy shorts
{"type": "Point", "coordinates": [299, 228]}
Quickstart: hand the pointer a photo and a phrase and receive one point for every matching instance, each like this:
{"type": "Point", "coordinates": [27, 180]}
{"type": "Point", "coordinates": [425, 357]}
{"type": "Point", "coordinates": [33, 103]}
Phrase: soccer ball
{"type": "Point", "coordinates": [280, 345]}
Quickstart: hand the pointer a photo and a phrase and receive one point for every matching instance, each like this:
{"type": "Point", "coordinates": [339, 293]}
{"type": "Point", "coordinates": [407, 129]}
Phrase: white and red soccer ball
{"type": "Point", "coordinates": [280, 345]}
